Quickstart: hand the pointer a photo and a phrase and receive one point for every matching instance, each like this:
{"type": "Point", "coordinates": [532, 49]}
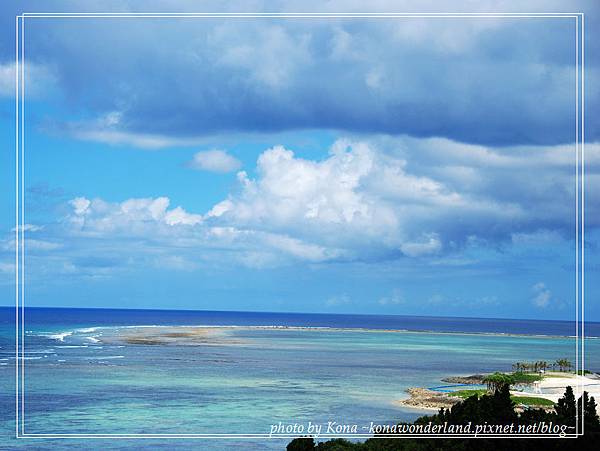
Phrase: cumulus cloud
{"type": "Point", "coordinates": [182, 240]}
{"type": "Point", "coordinates": [214, 161]}
{"type": "Point", "coordinates": [374, 202]}
{"type": "Point", "coordinates": [137, 216]}
{"type": "Point", "coordinates": [368, 200]}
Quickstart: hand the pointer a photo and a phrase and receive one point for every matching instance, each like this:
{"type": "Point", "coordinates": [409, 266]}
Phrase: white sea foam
{"type": "Point", "coordinates": [61, 336]}
{"type": "Point", "coordinates": [87, 330]}
{"type": "Point", "coordinates": [107, 357]}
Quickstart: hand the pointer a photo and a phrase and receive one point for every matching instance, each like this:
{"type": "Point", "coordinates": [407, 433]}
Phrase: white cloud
{"type": "Point", "coordinates": [272, 57]}
{"type": "Point", "coordinates": [120, 138]}
{"type": "Point", "coordinates": [30, 245]}
{"type": "Point", "coordinates": [301, 250]}
{"type": "Point", "coordinates": [8, 268]}
{"type": "Point", "coordinates": [108, 129]}
{"type": "Point", "coordinates": [215, 161]}
{"type": "Point", "coordinates": [7, 79]}
{"type": "Point", "coordinates": [359, 199]}
{"type": "Point", "coordinates": [41, 245]}
{"type": "Point", "coordinates": [181, 238]}
{"type": "Point", "coordinates": [337, 301]}
{"type": "Point", "coordinates": [138, 216]}
{"type": "Point", "coordinates": [28, 228]}
{"type": "Point", "coordinates": [537, 238]}
{"type": "Point", "coordinates": [542, 295]}
{"type": "Point", "coordinates": [38, 79]}
{"type": "Point", "coordinates": [430, 245]}
{"type": "Point", "coordinates": [365, 201]}
{"type": "Point", "coordinates": [175, 262]}
{"type": "Point", "coordinates": [80, 204]}
{"type": "Point", "coordinates": [394, 299]}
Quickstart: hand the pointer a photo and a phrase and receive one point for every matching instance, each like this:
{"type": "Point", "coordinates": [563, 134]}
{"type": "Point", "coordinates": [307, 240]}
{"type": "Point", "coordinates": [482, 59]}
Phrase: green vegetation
{"type": "Point", "coordinates": [524, 400]}
{"type": "Point", "coordinates": [542, 365]}
{"type": "Point", "coordinates": [525, 378]}
{"type": "Point", "coordinates": [498, 381]}
{"type": "Point", "coordinates": [532, 401]}
{"type": "Point", "coordinates": [496, 408]}
{"type": "Point", "coordinates": [468, 393]}
{"type": "Point", "coordinates": [563, 364]}
{"type": "Point", "coordinates": [524, 367]}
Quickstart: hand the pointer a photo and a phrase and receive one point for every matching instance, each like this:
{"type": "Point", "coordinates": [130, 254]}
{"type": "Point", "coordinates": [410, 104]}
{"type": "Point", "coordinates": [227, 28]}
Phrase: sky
{"type": "Point", "coordinates": [418, 166]}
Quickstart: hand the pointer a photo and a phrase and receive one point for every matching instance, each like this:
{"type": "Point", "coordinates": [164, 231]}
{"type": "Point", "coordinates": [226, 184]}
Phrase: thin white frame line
{"type": "Point", "coordinates": [285, 14]}
{"type": "Point", "coordinates": [305, 17]}
{"type": "Point", "coordinates": [267, 435]}
{"type": "Point", "coordinates": [17, 122]}
{"type": "Point", "coordinates": [261, 15]}
{"type": "Point", "coordinates": [577, 214]}
{"type": "Point", "coordinates": [582, 214]}
{"type": "Point", "coordinates": [22, 227]}
{"type": "Point", "coordinates": [581, 146]}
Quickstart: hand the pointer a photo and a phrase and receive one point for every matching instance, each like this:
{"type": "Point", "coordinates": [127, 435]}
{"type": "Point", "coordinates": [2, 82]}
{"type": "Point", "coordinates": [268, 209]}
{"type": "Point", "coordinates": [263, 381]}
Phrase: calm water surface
{"type": "Point", "coordinates": [77, 380]}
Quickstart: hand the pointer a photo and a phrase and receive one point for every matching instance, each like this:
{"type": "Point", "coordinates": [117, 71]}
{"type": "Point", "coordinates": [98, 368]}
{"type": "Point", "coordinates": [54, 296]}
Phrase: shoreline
{"type": "Point", "coordinates": [425, 399]}
{"type": "Point", "coordinates": [552, 387]}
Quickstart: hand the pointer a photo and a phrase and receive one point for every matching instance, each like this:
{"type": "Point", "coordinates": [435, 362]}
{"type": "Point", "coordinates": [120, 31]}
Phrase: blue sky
{"type": "Point", "coordinates": [386, 166]}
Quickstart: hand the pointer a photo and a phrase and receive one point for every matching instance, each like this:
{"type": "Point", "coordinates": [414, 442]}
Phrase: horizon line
{"type": "Point", "coordinates": [294, 313]}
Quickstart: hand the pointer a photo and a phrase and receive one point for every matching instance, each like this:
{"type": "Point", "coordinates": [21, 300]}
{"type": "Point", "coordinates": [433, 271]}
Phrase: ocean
{"type": "Point", "coordinates": [82, 377]}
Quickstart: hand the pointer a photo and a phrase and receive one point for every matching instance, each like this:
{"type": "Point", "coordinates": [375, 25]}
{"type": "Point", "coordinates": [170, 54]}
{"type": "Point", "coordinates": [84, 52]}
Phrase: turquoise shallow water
{"type": "Point", "coordinates": [83, 378]}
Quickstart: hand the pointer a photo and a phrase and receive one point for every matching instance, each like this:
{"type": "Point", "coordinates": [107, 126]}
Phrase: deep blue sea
{"type": "Point", "coordinates": [90, 370]}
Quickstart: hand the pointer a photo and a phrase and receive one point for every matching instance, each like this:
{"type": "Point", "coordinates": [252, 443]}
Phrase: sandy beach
{"type": "Point", "coordinates": [551, 387]}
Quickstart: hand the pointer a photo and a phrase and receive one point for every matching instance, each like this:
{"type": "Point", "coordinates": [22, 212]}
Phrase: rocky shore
{"type": "Point", "coordinates": [423, 398]}
{"type": "Point", "coordinates": [476, 379]}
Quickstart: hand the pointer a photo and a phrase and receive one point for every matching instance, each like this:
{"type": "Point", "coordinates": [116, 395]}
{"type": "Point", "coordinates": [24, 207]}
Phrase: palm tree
{"type": "Point", "coordinates": [564, 364]}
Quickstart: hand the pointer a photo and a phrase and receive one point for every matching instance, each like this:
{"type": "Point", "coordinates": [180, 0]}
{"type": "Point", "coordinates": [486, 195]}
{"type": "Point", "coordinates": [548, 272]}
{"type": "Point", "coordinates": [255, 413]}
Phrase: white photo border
{"type": "Point", "coordinates": [20, 213]}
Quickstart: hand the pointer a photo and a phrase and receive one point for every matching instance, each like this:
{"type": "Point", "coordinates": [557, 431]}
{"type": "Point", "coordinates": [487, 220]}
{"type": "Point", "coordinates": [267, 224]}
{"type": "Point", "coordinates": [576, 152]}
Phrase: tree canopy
{"type": "Point", "coordinates": [494, 408]}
